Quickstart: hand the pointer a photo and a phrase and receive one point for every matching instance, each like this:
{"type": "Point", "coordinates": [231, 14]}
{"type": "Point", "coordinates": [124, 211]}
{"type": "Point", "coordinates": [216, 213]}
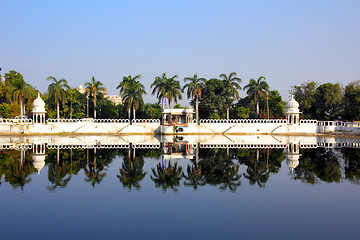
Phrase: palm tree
{"type": "Point", "coordinates": [57, 91]}
{"type": "Point", "coordinates": [133, 96]}
{"type": "Point", "coordinates": [194, 88]}
{"type": "Point", "coordinates": [126, 82]}
{"type": "Point", "coordinates": [232, 83]}
{"type": "Point", "coordinates": [19, 90]}
{"type": "Point", "coordinates": [255, 89]}
{"type": "Point", "coordinates": [159, 88]}
{"type": "Point", "coordinates": [172, 90]}
{"type": "Point", "coordinates": [94, 88]}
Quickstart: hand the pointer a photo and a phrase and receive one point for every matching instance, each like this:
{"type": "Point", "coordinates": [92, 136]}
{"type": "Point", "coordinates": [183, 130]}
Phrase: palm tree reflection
{"type": "Point", "coordinates": [131, 172]}
{"type": "Point", "coordinates": [167, 176]}
{"type": "Point", "coordinates": [93, 172]}
{"type": "Point", "coordinates": [194, 177]}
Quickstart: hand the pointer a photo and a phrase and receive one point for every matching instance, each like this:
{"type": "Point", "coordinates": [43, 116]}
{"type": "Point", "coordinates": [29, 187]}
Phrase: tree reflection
{"type": "Point", "coordinates": [352, 164]}
{"type": "Point", "coordinates": [131, 171]}
{"type": "Point", "coordinates": [94, 173]}
{"type": "Point", "coordinates": [19, 169]}
{"type": "Point", "coordinates": [260, 164]}
{"type": "Point", "coordinates": [58, 175]}
{"type": "Point", "coordinates": [59, 170]}
{"type": "Point", "coordinates": [318, 163]}
{"type": "Point", "coordinates": [167, 176]}
{"type": "Point", "coordinates": [194, 177]}
{"type": "Point", "coordinates": [219, 169]}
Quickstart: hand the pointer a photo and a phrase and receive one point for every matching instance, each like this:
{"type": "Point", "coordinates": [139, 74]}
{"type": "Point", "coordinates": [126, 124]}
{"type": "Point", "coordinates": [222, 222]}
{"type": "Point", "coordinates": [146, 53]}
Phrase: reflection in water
{"type": "Point", "coordinates": [194, 176]}
{"type": "Point", "coordinates": [17, 168]}
{"type": "Point", "coordinates": [94, 173]}
{"type": "Point", "coordinates": [219, 161]}
{"type": "Point", "coordinates": [167, 176]}
{"type": "Point", "coordinates": [131, 171]}
{"type": "Point", "coordinates": [352, 164]}
{"type": "Point", "coordinates": [218, 169]}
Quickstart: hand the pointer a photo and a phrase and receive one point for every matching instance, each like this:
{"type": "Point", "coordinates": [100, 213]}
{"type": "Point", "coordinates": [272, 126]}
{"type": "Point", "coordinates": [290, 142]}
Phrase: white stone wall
{"type": "Point", "coordinates": [152, 126]}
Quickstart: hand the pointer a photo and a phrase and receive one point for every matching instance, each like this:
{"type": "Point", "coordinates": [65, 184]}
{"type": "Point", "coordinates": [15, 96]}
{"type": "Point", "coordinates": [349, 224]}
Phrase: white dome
{"type": "Point", "coordinates": [292, 106]}
{"type": "Point", "coordinates": [81, 89]}
{"type": "Point", "coordinates": [38, 162]}
{"type": "Point", "coordinates": [39, 105]}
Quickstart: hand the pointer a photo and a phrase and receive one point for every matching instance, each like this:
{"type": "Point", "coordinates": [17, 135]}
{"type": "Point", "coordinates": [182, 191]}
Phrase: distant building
{"type": "Point", "coordinates": [113, 98]}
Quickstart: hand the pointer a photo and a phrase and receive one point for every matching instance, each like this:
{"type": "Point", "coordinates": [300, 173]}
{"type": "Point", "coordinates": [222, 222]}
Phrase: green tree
{"type": "Point", "coordinates": [131, 91]}
{"type": "Point", "coordinates": [126, 82]}
{"type": "Point", "coordinates": [57, 92]}
{"type": "Point", "coordinates": [328, 100]}
{"type": "Point", "coordinates": [94, 88]}
{"type": "Point", "coordinates": [215, 99]}
{"type": "Point", "coordinates": [305, 94]}
{"type": "Point", "coordinates": [172, 89]}
{"type": "Point", "coordinates": [276, 106]}
{"type": "Point", "coordinates": [351, 101]}
{"type": "Point", "coordinates": [159, 88]}
{"type": "Point", "coordinates": [107, 110]}
{"type": "Point", "coordinates": [255, 89]}
{"type": "Point", "coordinates": [194, 88]}
{"type": "Point", "coordinates": [18, 88]}
{"type": "Point", "coordinates": [232, 83]}
{"type": "Point", "coordinates": [75, 104]}
{"type": "Point", "coordinates": [133, 97]}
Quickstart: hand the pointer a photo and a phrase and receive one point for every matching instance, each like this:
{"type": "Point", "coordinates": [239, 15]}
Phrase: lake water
{"type": "Point", "coordinates": [210, 187]}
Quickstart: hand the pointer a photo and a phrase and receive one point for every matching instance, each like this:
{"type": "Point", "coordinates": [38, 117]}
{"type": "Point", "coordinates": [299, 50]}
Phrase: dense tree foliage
{"type": "Point", "coordinates": [217, 98]}
{"type": "Point", "coordinates": [352, 101]}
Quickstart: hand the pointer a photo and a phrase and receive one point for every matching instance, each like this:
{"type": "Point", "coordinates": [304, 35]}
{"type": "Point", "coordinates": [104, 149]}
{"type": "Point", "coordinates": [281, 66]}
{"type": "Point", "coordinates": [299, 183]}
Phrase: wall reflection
{"type": "Point", "coordinates": [223, 162]}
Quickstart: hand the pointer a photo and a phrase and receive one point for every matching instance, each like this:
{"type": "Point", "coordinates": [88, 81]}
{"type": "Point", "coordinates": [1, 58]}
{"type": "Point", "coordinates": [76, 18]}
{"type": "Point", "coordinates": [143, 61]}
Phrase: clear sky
{"type": "Point", "coordinates": [288, 42]}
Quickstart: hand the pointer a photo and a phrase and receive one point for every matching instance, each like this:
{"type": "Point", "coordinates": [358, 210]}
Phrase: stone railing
{"type": "Point", "coordinates": [347, 124]}
{"type": "Point", "coordinates": [15, 120]}
{"type": "Point", "coordinates": [87, 120]}
{"type": "Point", "coordinates": [232, 121]}
{"type": "Point", "coordinates": [157, 121]}
{"type": "Point", "coordinates": [308, 121]}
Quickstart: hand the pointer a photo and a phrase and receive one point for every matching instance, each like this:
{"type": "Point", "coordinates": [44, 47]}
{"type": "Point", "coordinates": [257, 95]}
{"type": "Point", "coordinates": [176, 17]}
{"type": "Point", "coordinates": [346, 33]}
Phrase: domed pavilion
{"type": "Point", "coordinates": [39, 110]}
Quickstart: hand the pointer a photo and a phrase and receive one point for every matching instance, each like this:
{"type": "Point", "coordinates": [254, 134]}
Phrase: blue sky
{"type": "Point", "coordinates": [288, 42]}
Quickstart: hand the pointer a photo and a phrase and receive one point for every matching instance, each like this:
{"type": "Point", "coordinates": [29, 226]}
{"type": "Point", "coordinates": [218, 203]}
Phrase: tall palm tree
{"type": "Point", "coordinates": [232, 83]}
{"type": "Point", "coordinates": [57, 91]}
{"type": "Point", "coordinates": [128, 81]}
{"type": "Point", "coordinates": [94, 88]}
{"type": "Point", "coordinates": [194, 88]}
{"type": "Point", "coordinates": [172, 89]}
{"type": "Point", "coordinates": [159, 88]}
{"type": "Point", "coordinates": [19, 91]}
{"type": "Point", "coordinates": [133, 96]}
{"type": "Point", "coordinates": [255, 89]}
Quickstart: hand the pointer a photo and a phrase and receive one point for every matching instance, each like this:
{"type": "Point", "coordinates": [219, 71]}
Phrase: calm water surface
{"type": "Point", "coordinates": [178, 191]}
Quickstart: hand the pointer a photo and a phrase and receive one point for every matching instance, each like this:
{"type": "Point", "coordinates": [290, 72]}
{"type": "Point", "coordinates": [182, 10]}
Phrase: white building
{"type": "Point", "coordinates": [113, 98]}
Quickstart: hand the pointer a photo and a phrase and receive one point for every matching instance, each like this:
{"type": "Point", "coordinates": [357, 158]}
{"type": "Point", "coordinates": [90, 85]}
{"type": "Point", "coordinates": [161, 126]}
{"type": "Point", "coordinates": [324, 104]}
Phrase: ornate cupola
{"type": "Point", "coordinates": [292, 111]}
{"type": "Point", "coordinates": [292, 154]}
{"type": "Point", "coordinates": [39, 110]}
{"type": "Point", "coordinates": [81, 89]}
